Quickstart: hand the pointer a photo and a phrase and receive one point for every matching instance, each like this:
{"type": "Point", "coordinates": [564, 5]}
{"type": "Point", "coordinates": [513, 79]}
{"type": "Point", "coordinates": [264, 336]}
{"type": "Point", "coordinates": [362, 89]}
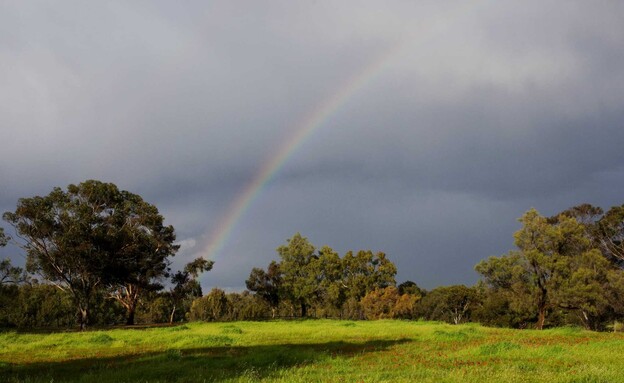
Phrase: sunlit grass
{"type": "Point", "coordinates": [316, 351]}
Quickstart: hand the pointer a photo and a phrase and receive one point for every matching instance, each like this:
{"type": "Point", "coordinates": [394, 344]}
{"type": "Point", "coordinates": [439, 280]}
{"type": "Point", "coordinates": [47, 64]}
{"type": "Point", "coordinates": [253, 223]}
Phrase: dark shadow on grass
{"type": "Point", "coordinates": [210, 364]}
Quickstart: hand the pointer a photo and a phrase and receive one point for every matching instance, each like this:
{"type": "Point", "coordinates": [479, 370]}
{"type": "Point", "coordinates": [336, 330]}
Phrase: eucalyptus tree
{"type": "Point", "coordinates": [267, 285]}
{"type": "Point", "coordinates": [549, 249]}
{"type": "Point", "coordinates": [186, 287]}
{"type": "Point", "coordinates": [556, 266]}
{"type": "Point", "coordinates": [140, 246]}
{"type": "Point", "coordinates": [91, 238]}
{"type": "Point", "coordinates": [611, 234]}
{"type": "Point", "coordinates": [300, 283]}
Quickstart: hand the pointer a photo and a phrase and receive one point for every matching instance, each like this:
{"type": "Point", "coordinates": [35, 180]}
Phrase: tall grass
{"type": "Point", "coordinates": [314, 351]}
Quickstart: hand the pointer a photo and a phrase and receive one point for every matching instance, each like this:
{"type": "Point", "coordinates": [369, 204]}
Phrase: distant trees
{"type": "Point", "coordinates": [321, 279]}
{"type": "Point", "coordinates": [453, 304]}
{"type": "Point", "coordinates": [104, 256]}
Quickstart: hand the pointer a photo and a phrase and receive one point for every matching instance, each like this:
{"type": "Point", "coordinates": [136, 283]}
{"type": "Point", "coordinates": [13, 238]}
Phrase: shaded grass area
{"type": "Point", "coordinates": [314, 351]}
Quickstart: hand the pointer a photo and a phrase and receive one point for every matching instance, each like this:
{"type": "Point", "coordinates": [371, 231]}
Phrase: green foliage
{"type": "Point", "coordinates": [10, 274]}
{"type": "Point", "coordinates": [3, 238]}
{"type": "Point", "coordinates": [94, 237]}
{"type": "Point", "coordinates": [299, 279]}
{"type": "Point", "coordinates": [409, 287]}
{"type": "Point", "coordinates": [320, 281]}
{"type": "Point", "coordinates": [452, 304]}
{"type": "Point", "coordinates": [266, 285]}
{"type": "Point", "coordinates": [211, 307]}
{"type": "Point", "coordinates": [610, 229]}
{"type": "Point", "coordinates": [37, 306]}
{"type": "Point", "coordinates": [186, 288]}
{"type": "Point", "coordinates": [558, 275]}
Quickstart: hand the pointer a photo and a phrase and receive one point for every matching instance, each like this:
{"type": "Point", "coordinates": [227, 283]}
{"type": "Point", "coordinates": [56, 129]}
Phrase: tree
{"type": "Point", "coordinates": [548, 247]}
{"type": "Point", "coordinates": [555, 267]}
{"type": "Point", "coordinates": [245, 306]}
{"type": "Point", "coordinates": [582, 288]}
{"type": "Point", "coordinates": [321, 280]}
{"type": "Point", "coordinates": [507, 291]}
{"type": "Point", "coordinates": [3, 238]}
{"type": "Point", "coordinates": [387, 302]}
{"type": "Point", "coordinates": [266, 285]}
{"type": "Point", "coordinates": [212, 307]}
{"type": "Point", "coordinates": [333, 290]}
{"type": "Point", "coordinates": [91, 237]}
{"type": "Point", "coordinates": [61, 235]}
{"type": "Point", "coordinates": [185, 285]}
{"type": "Point", "coordinates": [379, 303]}
{"type": "Point", "coordinates": [452, 304]}
{"type": "Point", "coordinates": [299, 281]}
{"type": "Point", "coordinates": [611, 234]}
{"type": "Point", "coordinates": [365, 272]}
{"type": "Point", "coordinates": [11, 274]}
{"type": "Point", "coordinates": [140, 245]}
{"type": "Point", "coordinates": [410, 287]}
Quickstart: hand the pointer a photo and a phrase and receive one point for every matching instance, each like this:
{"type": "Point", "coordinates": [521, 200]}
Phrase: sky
{"type": "Point", "coordinates": [422, 129]}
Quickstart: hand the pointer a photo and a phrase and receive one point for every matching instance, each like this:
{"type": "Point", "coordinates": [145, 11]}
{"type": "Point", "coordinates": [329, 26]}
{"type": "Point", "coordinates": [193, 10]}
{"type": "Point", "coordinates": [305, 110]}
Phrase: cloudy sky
{"type": "Point", "coordinates": [438, 123]}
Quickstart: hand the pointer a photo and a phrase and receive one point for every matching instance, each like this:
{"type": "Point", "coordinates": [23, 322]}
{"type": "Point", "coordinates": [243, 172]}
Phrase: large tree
{"type": "Point", "coordinates": [140, 245]}
{"type": "Point", "coordinates": [93, 237]}
{"type": "Point", "coordinates": [297, 266]}
{"type": "Point", "coordinates": [554, 261]}
{"type": "Point", "coordinates": [548, 248]}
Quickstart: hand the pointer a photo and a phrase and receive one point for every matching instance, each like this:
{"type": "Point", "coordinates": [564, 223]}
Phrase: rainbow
{"type": "Point", "coordinates": [308, 125]}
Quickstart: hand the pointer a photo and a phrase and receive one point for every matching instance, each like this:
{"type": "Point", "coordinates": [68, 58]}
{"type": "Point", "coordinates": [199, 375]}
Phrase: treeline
{"type": "Point", "coordinates": [97, 255]}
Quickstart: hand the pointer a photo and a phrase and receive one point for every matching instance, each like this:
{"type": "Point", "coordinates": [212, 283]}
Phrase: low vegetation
{"type": "Point", "coordinates": [314, 350]}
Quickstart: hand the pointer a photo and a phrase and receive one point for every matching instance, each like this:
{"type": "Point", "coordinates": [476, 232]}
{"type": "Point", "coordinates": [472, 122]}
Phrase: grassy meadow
{"type": "Point", "coordinates": [314, 351]}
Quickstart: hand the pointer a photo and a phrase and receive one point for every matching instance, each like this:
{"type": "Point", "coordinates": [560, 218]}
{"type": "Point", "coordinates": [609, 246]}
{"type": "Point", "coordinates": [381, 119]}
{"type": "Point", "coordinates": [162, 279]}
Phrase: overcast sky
{"type": "Point", "coordinates": [478, 111]}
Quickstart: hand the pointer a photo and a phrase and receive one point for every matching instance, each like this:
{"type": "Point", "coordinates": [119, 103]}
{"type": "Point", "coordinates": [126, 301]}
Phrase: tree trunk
{"type": "Point", "coordinates": [128, 296]}
{"type": "Point", "coordinates": [541, 317]}
{"type": "Point", "coordinates": [172, 315]}
{"type": "Point", "coordinates": [542, 305]}
{"type": "Point", "coordinates": [84, 318]}
{"type": "Point", "coordinates": [304, 309]}
{"type": "Point", "coordinates": [130, 317]}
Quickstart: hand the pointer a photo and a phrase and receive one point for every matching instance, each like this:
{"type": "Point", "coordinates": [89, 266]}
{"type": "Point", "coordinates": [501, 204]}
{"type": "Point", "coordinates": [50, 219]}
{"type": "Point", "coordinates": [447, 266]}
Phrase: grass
{"type": "Point", "coordinates": [314, 351]}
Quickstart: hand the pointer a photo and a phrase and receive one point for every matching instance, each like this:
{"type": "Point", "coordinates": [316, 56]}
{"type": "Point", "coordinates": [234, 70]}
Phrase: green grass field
{"type": "Point", "coordinates": [314, 351]}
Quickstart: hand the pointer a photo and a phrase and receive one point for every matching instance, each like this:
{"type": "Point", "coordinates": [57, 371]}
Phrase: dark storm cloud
{"type": "Point", "coordinates": [484, 110]}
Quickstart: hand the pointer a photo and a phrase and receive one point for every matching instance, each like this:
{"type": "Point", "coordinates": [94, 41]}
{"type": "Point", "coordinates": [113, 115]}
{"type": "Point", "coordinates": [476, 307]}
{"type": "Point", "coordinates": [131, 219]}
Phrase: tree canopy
{"type": "Point", "coordinates": [92, 237]}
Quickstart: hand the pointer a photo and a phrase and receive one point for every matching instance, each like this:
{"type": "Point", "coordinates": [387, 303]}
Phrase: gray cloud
{"type": "Point", "coordinates": [483, 110]}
